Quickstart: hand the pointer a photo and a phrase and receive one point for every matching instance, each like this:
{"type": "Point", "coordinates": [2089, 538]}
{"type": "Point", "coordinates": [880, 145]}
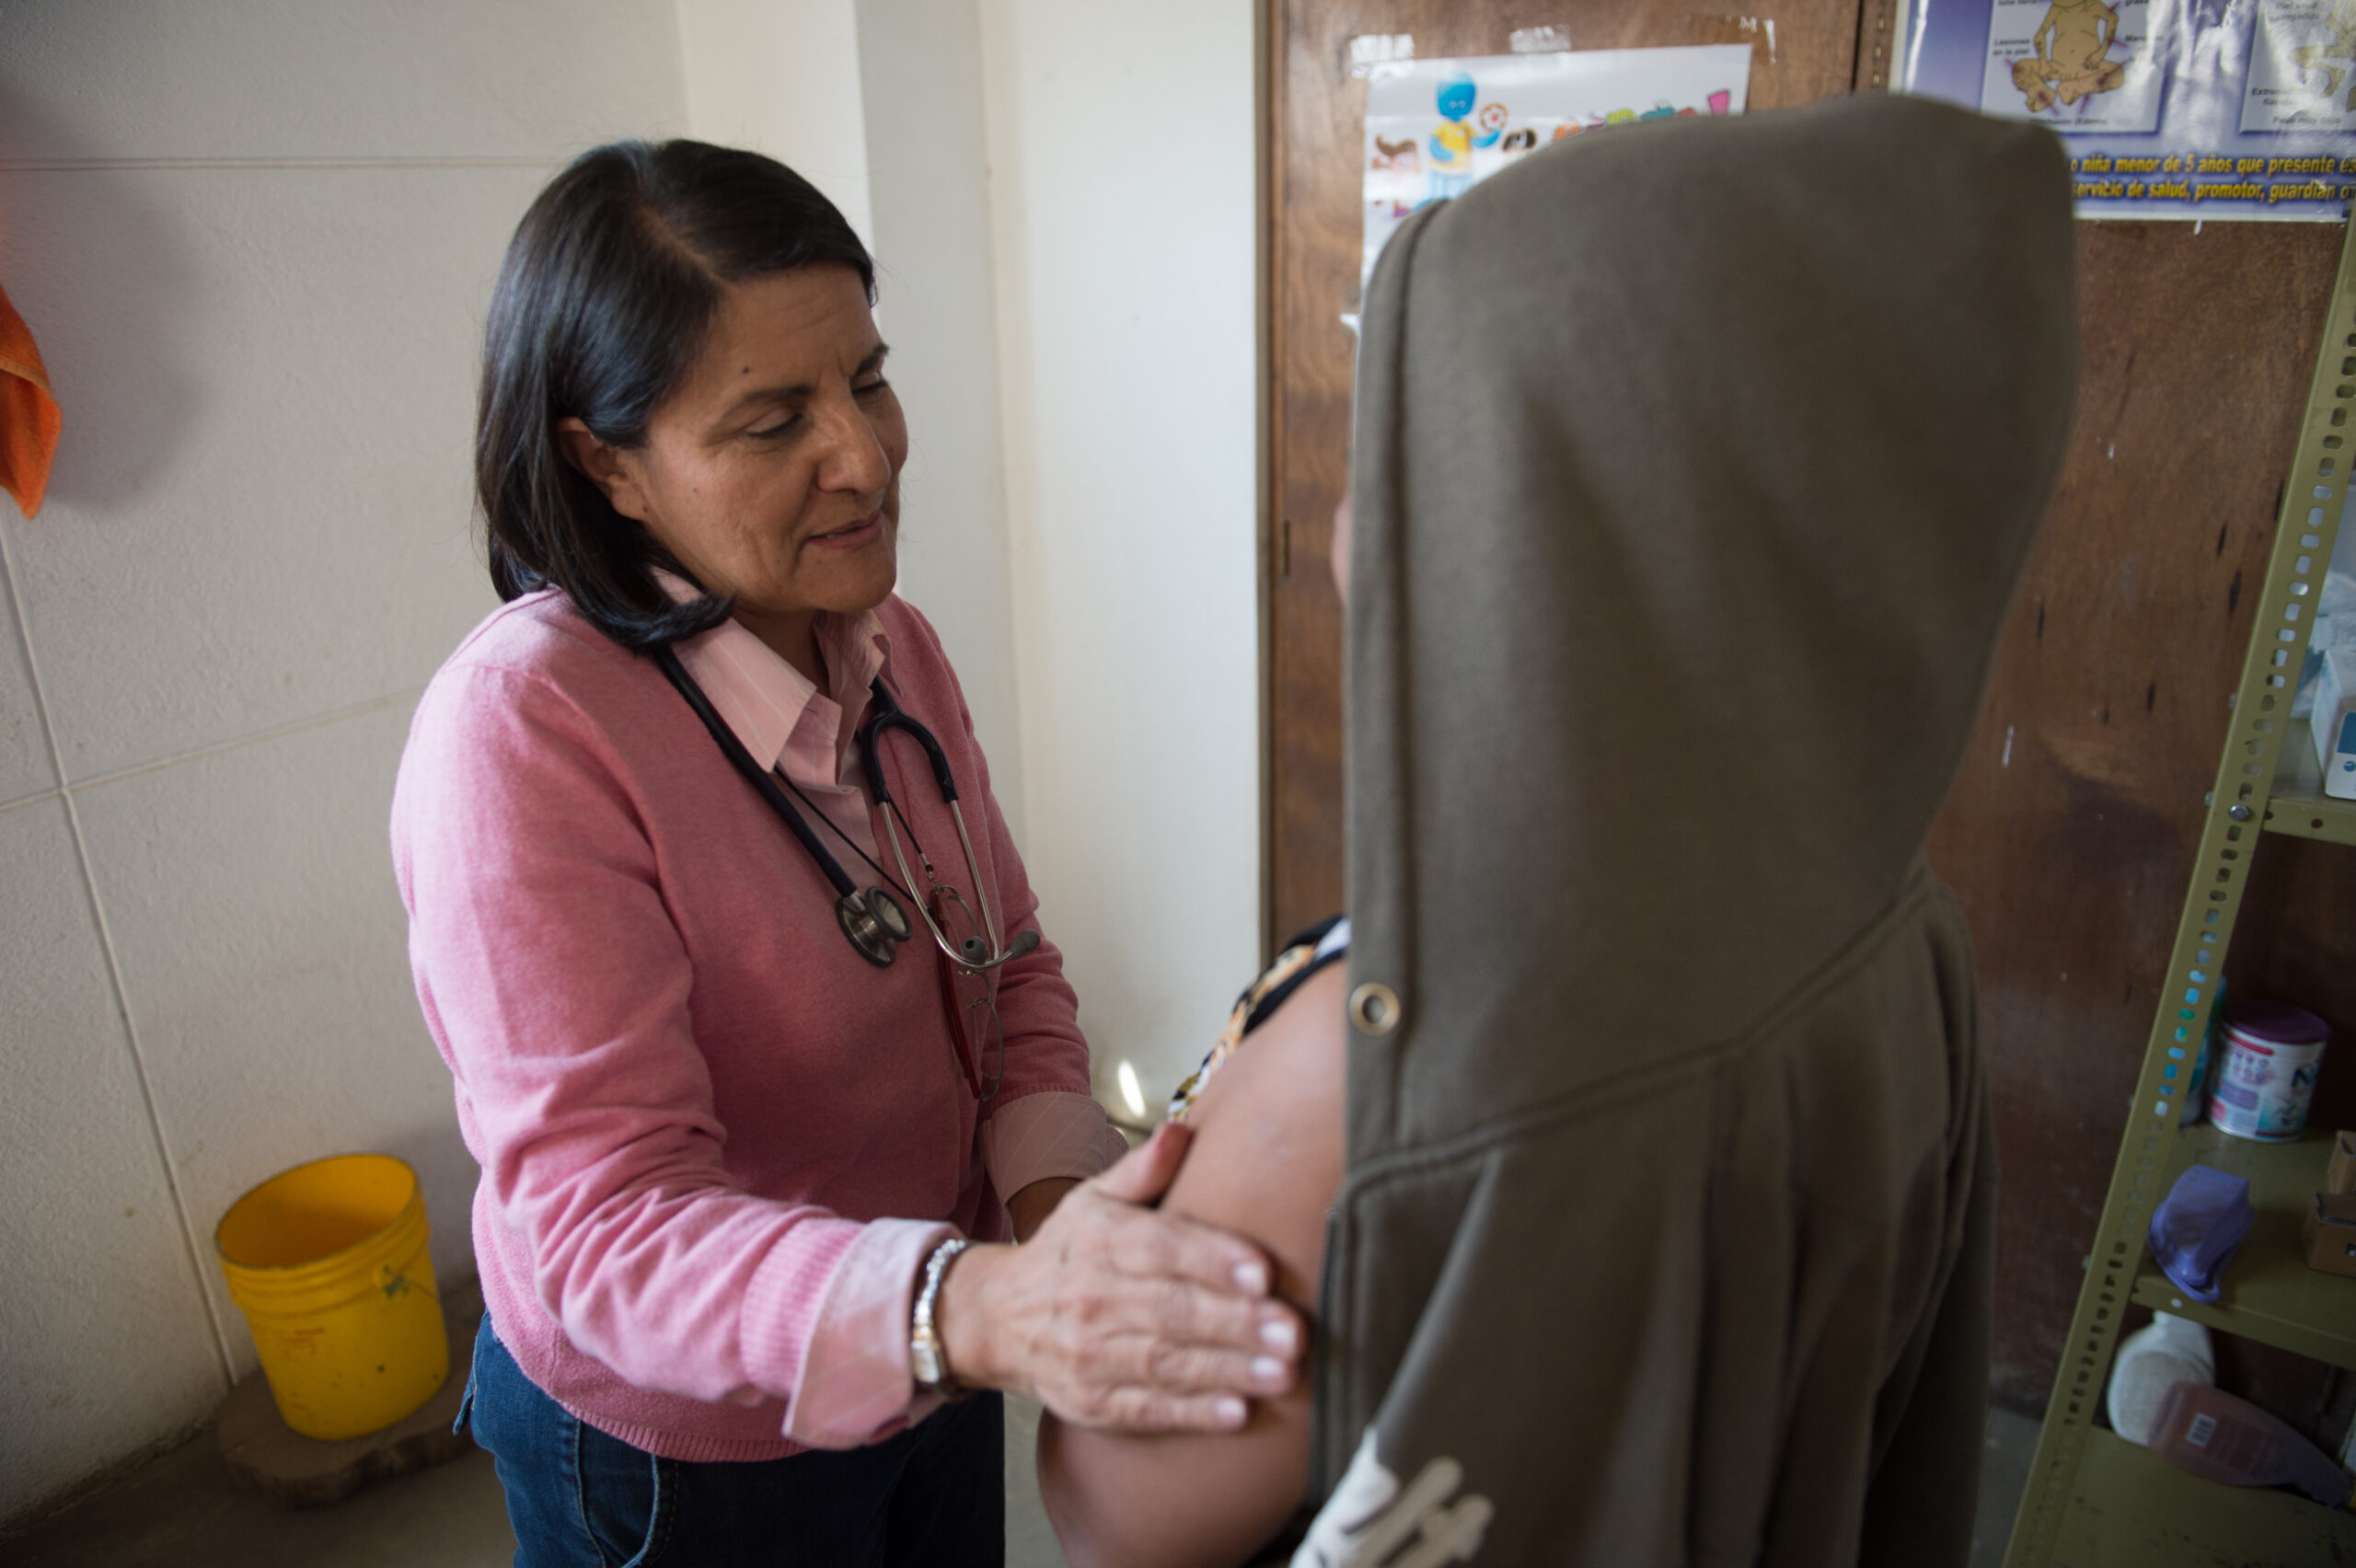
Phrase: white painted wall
{"type": "Point", "coordinates": [1122, 194]}
{"type": "Point", "coordinates": [254, 239]}
{"type": "Point", "coordinates": [782, 77]}
{"type": "Point", "coordinates": [928, 179]}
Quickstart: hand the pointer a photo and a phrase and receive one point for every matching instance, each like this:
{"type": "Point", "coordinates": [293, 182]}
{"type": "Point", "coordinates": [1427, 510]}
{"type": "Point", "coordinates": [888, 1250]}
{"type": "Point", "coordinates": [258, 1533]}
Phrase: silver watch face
{"type": "Point", "coordinates": [924, 1359]}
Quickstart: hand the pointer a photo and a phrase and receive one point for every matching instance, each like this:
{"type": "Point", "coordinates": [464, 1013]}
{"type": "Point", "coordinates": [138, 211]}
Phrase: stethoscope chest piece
{"type": "Point", "coordinates": [876, 924]}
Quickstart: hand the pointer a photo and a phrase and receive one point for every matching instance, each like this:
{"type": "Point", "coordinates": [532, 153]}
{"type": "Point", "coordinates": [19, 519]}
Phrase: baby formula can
{"type": "Point", "coordinates": [2271, 1053]}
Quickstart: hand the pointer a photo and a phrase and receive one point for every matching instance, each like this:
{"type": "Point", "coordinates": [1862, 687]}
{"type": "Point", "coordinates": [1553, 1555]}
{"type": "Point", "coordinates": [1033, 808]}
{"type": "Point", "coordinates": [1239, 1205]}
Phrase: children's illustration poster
{"type": "Point", "coordinates": [1436, 128]}
{"type": "Point", "coordinates": [2170, 108]}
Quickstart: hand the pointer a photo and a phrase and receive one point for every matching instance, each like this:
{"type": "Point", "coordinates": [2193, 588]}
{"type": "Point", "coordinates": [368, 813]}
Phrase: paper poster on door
{"type": "Point", "coordinates": [2200, 109]}
{"type": "Point", "coordinates": [1436, 128]}
{"type": "Point", "coordinates": [2074, 64]}
{"type": "Point", "coordinates": [2302, 67]}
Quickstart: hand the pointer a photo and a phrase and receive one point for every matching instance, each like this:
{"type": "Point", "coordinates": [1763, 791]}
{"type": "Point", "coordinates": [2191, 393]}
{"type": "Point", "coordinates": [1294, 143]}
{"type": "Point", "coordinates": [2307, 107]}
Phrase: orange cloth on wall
{"type": "Point", "coordinates": [30, 418]}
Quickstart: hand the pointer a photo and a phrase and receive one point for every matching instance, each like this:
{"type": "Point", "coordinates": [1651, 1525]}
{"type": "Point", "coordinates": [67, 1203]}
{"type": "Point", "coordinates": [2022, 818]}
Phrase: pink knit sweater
{"type": "Point", "coordinates": [715, 1141]}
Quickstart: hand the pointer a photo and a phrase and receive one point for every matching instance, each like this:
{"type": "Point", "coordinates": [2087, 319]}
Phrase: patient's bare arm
{"type": "Point", "coordinates": [1265, 1161]}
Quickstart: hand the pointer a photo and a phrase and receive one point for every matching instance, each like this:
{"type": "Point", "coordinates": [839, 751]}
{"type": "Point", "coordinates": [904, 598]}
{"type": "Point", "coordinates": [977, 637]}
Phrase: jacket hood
{"type": "Point", "coordinates": [1694, 466]}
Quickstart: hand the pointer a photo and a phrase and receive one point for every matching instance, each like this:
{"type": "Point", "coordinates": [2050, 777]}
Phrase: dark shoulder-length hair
{"type": "Point", "coordinates": [608, 289]}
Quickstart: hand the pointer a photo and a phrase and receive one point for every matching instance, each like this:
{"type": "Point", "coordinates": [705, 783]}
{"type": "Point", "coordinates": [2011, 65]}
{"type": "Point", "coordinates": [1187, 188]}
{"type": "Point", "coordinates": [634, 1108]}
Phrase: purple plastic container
{"type": "Point", "coordinates": [2197, 1227]}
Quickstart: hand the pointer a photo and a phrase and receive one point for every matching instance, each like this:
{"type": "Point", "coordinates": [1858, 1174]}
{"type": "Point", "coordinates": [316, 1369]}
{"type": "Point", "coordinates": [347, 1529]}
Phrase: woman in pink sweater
{"type": "Point", "coordinates": [732, 1162]}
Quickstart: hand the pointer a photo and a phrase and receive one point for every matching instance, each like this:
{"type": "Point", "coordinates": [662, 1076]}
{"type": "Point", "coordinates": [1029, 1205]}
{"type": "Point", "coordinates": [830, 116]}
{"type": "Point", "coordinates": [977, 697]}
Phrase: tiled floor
{"type": "Point", "coordinates": [181, 1512]}
{"type": "Point", "coordinates": [2004, 1476]}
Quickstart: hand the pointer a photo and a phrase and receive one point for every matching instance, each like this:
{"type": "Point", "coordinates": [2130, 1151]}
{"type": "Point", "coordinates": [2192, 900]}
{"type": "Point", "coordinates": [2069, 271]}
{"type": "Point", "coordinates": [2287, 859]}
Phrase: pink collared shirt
{"type": "Point", "coordinates": [716, 1142]}
{"type": "Point", "coordinates": [786, 721]}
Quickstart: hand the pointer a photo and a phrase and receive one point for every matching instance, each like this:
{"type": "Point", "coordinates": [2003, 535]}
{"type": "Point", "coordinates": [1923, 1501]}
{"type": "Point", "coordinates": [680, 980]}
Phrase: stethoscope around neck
{"type": "Point", "coordinates": [874, 921]}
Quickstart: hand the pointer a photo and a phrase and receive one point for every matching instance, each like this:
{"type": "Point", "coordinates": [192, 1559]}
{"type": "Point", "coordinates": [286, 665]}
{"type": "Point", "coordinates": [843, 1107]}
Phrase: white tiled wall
{"type": "Point", "coordinates": [286, 81]}
{"type": "Point", "coordinates": [272, 1006]}
{"type": "Point", "coordinates": [295, 406]}
{"type": "Point", "coordinates": [254, 239]}
{"type": "Point", "coordinates": [104, 1337]}
{"type": "Point", "coordinates": [25, 767]}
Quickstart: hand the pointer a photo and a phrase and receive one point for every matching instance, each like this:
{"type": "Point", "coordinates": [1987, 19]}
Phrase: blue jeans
{"type": "Point", "coordinates": [577, 1498]}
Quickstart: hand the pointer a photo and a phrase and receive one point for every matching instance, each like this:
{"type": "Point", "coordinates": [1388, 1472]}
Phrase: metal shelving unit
{"type": "Point", "coordinates": [2299, 806]}
{"type": "Point", "coordinates": [2091, 1497]}
{"type": "Point", "coordinates": [2136, 1510]}
{"type": "Point", "coordinates": [2276, 1297]}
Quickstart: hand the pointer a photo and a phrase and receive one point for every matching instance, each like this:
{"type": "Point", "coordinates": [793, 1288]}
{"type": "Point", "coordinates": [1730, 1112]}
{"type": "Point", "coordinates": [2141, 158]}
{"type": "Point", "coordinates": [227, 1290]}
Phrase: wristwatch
{"type": "Point", "coordinates": [927, 1358]}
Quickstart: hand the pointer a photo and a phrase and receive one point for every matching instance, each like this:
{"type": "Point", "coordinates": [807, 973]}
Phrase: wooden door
{"type": "Point", "coordinates": [2071, 828]}
{"type": "Point", "coordinates": [1317, 119]}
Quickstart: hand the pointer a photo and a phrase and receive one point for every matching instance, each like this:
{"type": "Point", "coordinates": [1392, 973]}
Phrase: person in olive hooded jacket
{"type": "Point", "coordinates": [1694, 466]}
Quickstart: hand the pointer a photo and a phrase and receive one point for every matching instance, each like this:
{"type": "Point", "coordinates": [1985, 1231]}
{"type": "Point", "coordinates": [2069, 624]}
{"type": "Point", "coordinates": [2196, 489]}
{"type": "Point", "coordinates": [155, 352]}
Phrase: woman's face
{"type": "Point", "coordinates": [772, 472]}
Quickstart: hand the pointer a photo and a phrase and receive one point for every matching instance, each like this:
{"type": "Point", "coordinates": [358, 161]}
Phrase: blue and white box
{"type": "Point", "coordinates": [2335, 723]}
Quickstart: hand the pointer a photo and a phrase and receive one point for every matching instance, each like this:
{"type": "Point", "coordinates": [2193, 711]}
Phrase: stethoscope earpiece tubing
{"type": "Point", "coordinates": [757, 776]}
{"type": "Point", "coordinates": [890, 714]}
{"type": "Point", "coordinates": [868, 920]}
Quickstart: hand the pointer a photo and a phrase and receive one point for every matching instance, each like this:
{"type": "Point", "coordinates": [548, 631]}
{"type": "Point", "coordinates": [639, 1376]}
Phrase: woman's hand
{"type": "Point", "coordinates": [1115, 1316]}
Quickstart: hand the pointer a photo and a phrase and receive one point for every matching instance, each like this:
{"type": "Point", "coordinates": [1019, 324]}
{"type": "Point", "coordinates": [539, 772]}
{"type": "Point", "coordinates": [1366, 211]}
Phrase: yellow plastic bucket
{"type": "Point", "coordinates": [329, 1264]}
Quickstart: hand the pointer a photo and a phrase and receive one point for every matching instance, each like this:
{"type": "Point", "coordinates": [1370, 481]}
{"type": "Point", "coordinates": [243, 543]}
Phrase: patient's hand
{"type": "Point", "coordinates": [1265, 1162]}
{"type": "Point", "coordinates": [1029, 1208]}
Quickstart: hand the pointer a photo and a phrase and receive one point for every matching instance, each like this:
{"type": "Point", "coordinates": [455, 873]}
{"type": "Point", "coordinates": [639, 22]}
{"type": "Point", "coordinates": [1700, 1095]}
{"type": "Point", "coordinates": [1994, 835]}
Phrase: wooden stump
{"type": "Point", "coordinates": [269, 1457]}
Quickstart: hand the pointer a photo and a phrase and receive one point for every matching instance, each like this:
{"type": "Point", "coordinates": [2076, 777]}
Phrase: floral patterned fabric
{"type": "Point", "coordinates": [1303, 956]}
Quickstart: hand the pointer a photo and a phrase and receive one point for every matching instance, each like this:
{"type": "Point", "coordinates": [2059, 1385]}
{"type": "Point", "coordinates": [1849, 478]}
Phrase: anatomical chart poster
{"type": "Point", "coordinates": [2202, 110]}
{"type": "Point", "coordinates": [1436, 128]}
{"type": "Point", "coordinates": [2302, 67]}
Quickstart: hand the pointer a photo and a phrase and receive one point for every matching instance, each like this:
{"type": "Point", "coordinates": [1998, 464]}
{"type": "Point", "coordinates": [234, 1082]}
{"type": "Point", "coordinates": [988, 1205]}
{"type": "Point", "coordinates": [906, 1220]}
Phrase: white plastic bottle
{"type": "Point", "coordinates": [2150, 1362]}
